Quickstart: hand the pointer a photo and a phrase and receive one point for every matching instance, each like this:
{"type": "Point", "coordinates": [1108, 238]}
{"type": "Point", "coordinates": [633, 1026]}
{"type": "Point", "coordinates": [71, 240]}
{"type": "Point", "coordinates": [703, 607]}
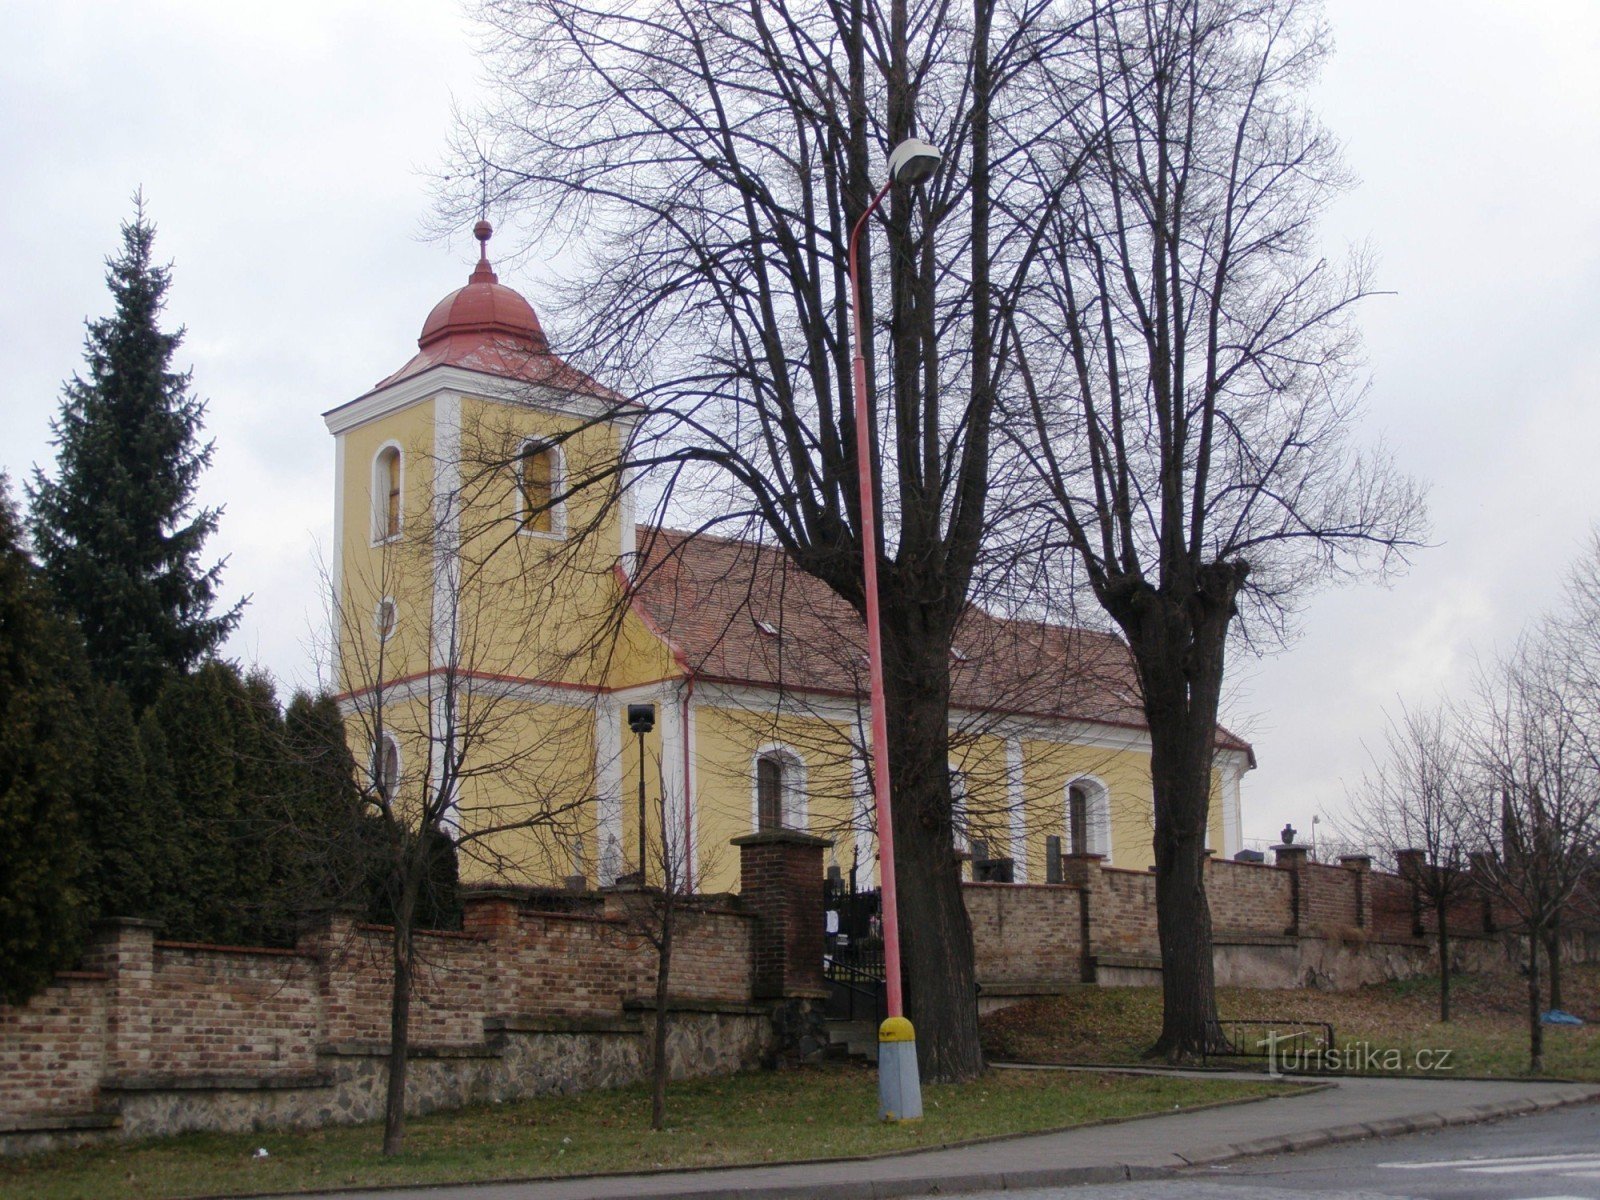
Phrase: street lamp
{"type": "Point", "coordinates": [641, 719]}
{"type": "Point", "coordinates": [899, 1088]}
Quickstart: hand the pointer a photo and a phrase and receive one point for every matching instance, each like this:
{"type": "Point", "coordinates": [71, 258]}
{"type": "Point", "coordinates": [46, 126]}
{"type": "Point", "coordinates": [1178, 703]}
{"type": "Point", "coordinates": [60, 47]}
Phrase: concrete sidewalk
{"type": "Point", "coordinates": [1353, 1108]}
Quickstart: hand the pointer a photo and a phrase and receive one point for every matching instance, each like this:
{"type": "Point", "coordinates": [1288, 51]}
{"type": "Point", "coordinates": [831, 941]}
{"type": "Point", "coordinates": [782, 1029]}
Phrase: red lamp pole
{"type": "Point", "coordinates": [869, 552]}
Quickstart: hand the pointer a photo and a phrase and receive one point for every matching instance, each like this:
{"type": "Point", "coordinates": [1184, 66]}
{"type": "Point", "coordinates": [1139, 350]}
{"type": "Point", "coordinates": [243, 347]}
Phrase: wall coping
{"type": "Point", "coordinates": [380, 1049]}
{"type": "Point", "coordinates": [736, 1008]}
{"type": "Point", "coordinates": [780, 837]}
{"type": "Point", "coordinates": [215, 1081]}
{"type": "Point", "coordinates": [52, 1122]}
{"type": "Point", "coordinates": [541, 1023]}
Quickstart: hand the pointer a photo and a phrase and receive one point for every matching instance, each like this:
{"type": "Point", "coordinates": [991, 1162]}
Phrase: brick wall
{"type": "Point", "coordinates": [52, 1050]}
{"type": "Point", "coordinates": [215, 1009]}
{"type": "Point", "coordinates": [153, 1010]}
{"type": "Point", "coordinates": [1328, 899]}
{"type": "Point", "coordinates": [1025, 933]}
{"type": "Point", "coordinates": [1122, 913]}
{"type": "Point", "coordinates": [1249, 898]}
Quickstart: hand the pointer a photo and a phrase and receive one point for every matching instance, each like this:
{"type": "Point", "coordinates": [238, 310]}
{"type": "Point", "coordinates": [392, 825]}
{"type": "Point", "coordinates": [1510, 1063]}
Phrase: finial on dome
{"type": "Point", "coordinates": [484, 273]}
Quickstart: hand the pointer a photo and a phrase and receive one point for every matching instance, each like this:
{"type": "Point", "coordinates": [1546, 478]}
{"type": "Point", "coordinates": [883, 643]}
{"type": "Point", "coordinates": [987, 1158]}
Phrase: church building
{"type": "Point", "coordinates": [499, 614]}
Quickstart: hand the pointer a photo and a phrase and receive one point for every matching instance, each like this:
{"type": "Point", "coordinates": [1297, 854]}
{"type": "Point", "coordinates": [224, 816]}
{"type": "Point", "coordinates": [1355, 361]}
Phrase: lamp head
{"type": "Point", "coordinates": [914, 161]}
{"type": "Point", "coordinates": [641, 717]}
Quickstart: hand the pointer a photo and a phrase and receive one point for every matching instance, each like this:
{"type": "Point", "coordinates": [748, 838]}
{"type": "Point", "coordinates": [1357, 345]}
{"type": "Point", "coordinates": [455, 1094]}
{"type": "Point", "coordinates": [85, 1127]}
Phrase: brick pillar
{"type": "Point", "coordinates": [494, 914]}
{"type": "Point", "coordinates": [1083, 872]}
{"type": "Point", "coordinates": [780, 881]}
{"type": "Point", "coordinates": [1293, 858]}
{"type": "Point", "coordinates": [1361, 865]}
{"type": "Point", "coordinates": [124, 948]}
{"type": "Point", "coordinates": [1410, 865]}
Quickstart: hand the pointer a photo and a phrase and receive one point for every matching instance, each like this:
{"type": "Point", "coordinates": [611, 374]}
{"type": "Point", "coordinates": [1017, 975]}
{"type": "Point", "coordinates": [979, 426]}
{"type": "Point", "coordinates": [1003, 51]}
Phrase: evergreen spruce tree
{"type": "Point", "coordinates": [117, 531]}
{"type": "Point", "coordinates": [43, 746]}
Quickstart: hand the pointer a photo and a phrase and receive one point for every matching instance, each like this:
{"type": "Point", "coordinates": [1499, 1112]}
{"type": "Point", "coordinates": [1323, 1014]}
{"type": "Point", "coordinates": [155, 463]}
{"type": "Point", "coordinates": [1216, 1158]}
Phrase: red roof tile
{"type": "Point", "coordinates": [716, 599]}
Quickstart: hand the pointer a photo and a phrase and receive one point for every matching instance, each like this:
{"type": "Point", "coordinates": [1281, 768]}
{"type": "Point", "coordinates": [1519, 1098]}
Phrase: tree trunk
{"type": "Point", "coordinates": [1442, 908]}
{"type": "Point", "coordinates": [658, 1065]}
{"type": "Point", "coordinates": [394, 1104]}
{"type": "Point", "coordinates": [1183, 915]}
{"type": "Point", "coordinates": [1178, 647]}
{"type": "Point", "coordinates": [1535, 1026]}
{"type": "Point", "coordinates": [937, 970]}
{"type": "Point", "coordinates": [1552, 949]}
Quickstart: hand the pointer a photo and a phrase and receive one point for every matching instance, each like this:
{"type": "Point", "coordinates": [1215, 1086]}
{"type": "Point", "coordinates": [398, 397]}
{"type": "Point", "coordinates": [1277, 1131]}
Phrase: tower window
{"type": "Point", "coordinates": [386, 491]}
{"type": "Point", "coordinates": [538, 479]}
{"type": "Point", "coordinates": [386, 766]}
{"type": "Point", "coordinates": [383, 618]}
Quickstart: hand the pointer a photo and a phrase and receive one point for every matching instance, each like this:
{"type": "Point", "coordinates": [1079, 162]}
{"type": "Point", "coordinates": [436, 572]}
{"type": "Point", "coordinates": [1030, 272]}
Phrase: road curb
{"type": "Point", "coordinates": [1393, 1127]}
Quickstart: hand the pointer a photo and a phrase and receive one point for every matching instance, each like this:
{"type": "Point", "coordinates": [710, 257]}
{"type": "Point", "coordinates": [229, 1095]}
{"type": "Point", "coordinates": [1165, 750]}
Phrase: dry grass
{"type": "Point", "coordinates": [1488, 1034]}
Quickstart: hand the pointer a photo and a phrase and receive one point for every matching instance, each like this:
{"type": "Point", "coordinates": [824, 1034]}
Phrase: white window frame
{"type": "Point", "coordinates": [1097, 814]}
{"type": "Point", "coordinates": [558, 483]}
{"type": "Point", "coordinates": [380, 495]}
{"type": "Point", "coordinates": [794, 810]}
{"type": "Point", "coordinates": [394, 618]}
{"type": "Point", "coordinates": [385, 741]}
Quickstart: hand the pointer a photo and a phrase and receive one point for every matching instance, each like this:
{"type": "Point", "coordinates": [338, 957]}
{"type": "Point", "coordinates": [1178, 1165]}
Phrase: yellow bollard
{"type": "Point", "coordinates": [899, 1085]}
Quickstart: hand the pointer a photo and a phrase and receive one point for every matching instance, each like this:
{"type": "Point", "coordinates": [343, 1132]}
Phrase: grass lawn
{"type": "Point", "coordinates": [1488, 1033]}
{"type": "Point", "coordinates": [816, 1112]}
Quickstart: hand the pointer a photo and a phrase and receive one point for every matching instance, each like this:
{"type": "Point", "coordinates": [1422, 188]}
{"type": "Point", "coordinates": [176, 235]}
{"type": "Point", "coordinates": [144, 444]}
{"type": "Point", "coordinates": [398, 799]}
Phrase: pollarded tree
{"type": "Point", "coordinates": [711, 158]}
{"type": "Point", "coordinates": [116, 530]}
{"type": "Point", "coordinates": [43, 744]}
{"type": "Point", "coordinates": [1188, 360]}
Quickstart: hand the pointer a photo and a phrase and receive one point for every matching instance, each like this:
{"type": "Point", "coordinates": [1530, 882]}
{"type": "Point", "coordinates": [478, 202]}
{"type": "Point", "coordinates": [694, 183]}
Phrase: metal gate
{"type": "Point", "coordinates": [853, 952]}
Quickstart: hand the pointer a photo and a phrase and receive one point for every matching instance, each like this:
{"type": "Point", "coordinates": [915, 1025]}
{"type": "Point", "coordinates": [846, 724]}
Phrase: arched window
{"type": "Point", "coordinates": [538, 484]}
{"type": "Point", "coordinates": [779, 801]}
{"type": "Point", "coordinates": [386, 766]}
{"type": "Point", "coordinates": [387, 477]}
{"type": "Point", "coordinates": [1088, 817]}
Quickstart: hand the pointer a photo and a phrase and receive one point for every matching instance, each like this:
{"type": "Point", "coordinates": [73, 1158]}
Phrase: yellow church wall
{"type": "Point", "coordinates": [727, 741]}
{"type": "Point", "coordinates": [530, 766]}
{"type": "Point", "coordinates": [542, 605]}
{"type": "Point", "coordinates": [400, 568]}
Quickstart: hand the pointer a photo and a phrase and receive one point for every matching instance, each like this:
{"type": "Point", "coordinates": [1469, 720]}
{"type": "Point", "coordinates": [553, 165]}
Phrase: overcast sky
{"type": "Point", "coordinates": [284, 148]}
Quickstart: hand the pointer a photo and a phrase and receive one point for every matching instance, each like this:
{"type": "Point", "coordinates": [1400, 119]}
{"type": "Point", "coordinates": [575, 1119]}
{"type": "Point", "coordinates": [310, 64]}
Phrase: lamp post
{"type": "Point", "coordinates": [641, 719]}
{"type": "Point", "coordinates": [899, 1088]}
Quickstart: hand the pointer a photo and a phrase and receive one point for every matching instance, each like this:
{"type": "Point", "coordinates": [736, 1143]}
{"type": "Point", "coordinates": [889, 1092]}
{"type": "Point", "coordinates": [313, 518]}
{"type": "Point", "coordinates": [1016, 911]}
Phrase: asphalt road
{"type": "Point", "coordinates": [1550, 1156]}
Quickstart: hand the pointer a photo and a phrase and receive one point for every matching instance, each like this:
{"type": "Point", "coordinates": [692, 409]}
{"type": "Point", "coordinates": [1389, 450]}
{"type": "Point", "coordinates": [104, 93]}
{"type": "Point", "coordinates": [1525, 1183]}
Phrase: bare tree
{"type": "Point", "coordinates": [1187, 357]}
{"type": "Point", "coordinates": [1419, 796]}
{"type": "Point", "coordinates": [1539, 800]}
{"type": "Point", "coordinates": [708, 159]}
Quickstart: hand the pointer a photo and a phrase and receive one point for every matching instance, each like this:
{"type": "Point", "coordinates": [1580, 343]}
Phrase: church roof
{"type": "Point", "coordinates": [739, 612]}
{"type": "Point", "coordinates": [488, 327]}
